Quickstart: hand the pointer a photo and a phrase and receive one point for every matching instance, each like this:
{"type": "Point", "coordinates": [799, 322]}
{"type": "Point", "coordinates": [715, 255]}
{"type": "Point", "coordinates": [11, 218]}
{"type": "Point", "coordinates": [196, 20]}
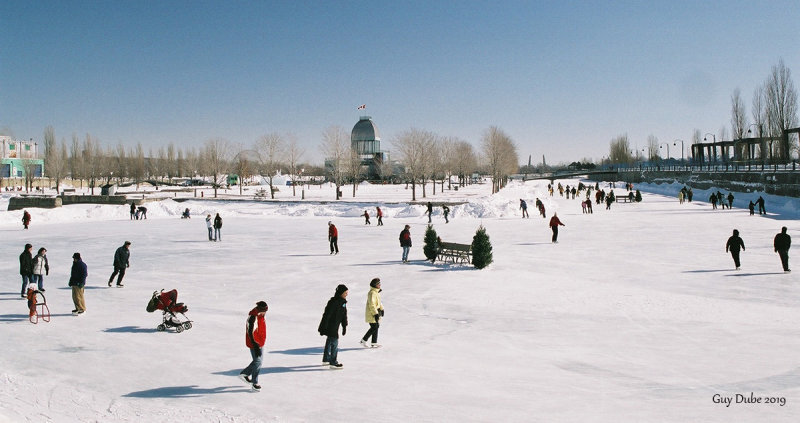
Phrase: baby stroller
{"type": "Point", "coordinates": [37, 308]}
{"type": "Point", "coordinates": [167, 302]}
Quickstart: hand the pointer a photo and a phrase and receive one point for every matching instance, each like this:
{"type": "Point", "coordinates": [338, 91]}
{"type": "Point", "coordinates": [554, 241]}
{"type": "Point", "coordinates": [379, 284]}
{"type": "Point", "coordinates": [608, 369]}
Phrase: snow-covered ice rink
{"type": "Point", "coordinates": [636, 315]}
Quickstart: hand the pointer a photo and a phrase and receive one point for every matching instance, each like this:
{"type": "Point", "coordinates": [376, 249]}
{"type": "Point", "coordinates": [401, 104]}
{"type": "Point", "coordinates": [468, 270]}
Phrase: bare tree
{"type": "Point", "coordinates": [192, 162]}
{"type": "Point", "coordinates": [171, 165]}
{"type": "Point", "coordinates": [429, 162]}
{"type": "Point", "coordinates": [738, 115]}
{"type": "Point", "coordinates": [245, 164]}
{"type": "Point", "coordinates": [76, 163]}
{"type": "Point", "coordinates": [215, 157]}
{"type": "Point", "coordinates": [54, 162]}
{"type": "Point", "coordinates": [501, 157]}
{"type": "Point", "coordinates": [465, 161]}
{"type": "Point", "coordinates": [652, 148]}
{"type": "Point", "coordinates": [759, 112]}
{"type": "Point", "coordinates": [781, 104]}
{"type": "Point", "coordinates": [294, 154]}
{"type": "Point", "coordinates": [409, 146]}
{"type": "Point", "coordinates": [122, 170]}
{"type": "Point", "coordinates": [620, 150]}
{"type": "Point", "coordinates": [335, 146]}
{"type": "Point", "coordinates": [92, 160]}
{"type": "Point", "coordinates": [270, 151]}
{"type": "Point", "coordinates": [138, 167]}
{"type": "Point", "coordinates": [353, 168]}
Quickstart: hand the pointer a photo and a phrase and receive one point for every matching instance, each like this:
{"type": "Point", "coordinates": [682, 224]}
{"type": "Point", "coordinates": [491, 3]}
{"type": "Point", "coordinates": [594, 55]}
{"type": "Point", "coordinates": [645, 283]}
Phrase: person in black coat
{"type": "Point", "coordinates": [121, 262]}
{"type": "Point", "coordinates": [77, 280]}
{"type": "Point", "coordinates": [782, 243]}
{"type": "Point", "coordinates": [734, 244]}
{"type": "Point", "coordinates": [133, 210]}
{"type": "Point", "coordinates": [26, 268]}
{"type": "Point", "coordinates": [218, 227]}
{"type": "Point", "coordinates": [761, 208]}
{"type": "Point", "coordinates": [335, 314]}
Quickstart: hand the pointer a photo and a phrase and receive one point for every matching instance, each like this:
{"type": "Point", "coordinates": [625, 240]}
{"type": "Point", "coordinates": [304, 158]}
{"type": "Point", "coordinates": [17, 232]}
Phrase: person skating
{"type": "Point", "coordinates": [761, 208]}
{"type": "Point", "coordinates": [142, 211]}
{"type": "Point", "coordinates": [133, 210]}
{"type": "Point", "coordinates": [782, 243]}
{"type": "Point", "coordinates": [405, 242]}
{"type": "Point", "coordinates": [524, 207]}
{"type": "Point", "coordinates": [373, 313]}
{"type": "Point", "coordinates": [430, 211]}
{"type": "Point", "coordinates": [555, 222]}
{"type": "Point", "coordinates": [333, 238]}
{"type": "Point", "coordinates": [366, 217]}
{"type": "Point", "coordinates": [26, 268]}
{"type": "Point", "coordinates": [445, 212]}
{"type": "Point", "coordinates": [26, 219]}
{"type": "Point", "coordinates": [41, 267]}
{"type": "Point", "coordinates": [210, 226]}
{"type": "Point", "coordinates": [335, 315]}
{"type": "Point", "coordinates": [734, 244]}
{"type": "Point", "coordinates": [752, 207]}
{"type": "Point", "coordinates": [380, 216]}
{"type": "Point", "coordinates": [77, 281]}
{"type": "Point", "coordinates": [730, 200]}
{"type": "Point", "coordinates": [255, 337]}
{"type": "Point", "coordinates": [218, 228]}
{"type": "Point", "coordinates": [121, 262]}
{"type": "Point", "coordinates": [713, 200]}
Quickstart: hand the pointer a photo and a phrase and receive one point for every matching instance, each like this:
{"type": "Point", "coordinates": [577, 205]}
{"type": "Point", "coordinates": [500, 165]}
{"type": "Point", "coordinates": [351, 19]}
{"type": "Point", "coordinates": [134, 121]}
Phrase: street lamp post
{"type": "Point", "coordinates": [663, 144]}
{"type": "Point", "coordinates": [675, 142]}
{"type": "Point", "coordinates": [714, 145]}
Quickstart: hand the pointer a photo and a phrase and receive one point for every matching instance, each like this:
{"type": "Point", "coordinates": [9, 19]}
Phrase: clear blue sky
{"type": "Point", "coordinates": [561, 78]}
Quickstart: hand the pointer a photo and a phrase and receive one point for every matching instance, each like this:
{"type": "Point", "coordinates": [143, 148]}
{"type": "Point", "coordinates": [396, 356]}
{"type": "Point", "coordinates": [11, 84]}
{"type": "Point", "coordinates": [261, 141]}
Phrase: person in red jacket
{"type": "Point", "coordinates": [333, 237]}
{"type": "Point", "coordinates": [554, 224]}
{"type": "Point", "coordinates": [380, 216]}
{"type": "Point", "coordinates": [254, 338]}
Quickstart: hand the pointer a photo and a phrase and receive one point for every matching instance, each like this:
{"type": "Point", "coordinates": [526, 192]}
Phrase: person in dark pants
{"type": "Point", "coordinates": [142, 212]}
{"type": "Point", "coordinates": [380, 216]}
{"type": "Point", "coordinates": [26, 219]}
{"type": "Point", "coordinates": [218, 228]}
{"type": "Point", "coordinates": [121, 262]}
{"type": "Point", "coordinates": [77, 280]}
{"type": "Point", "coordinates": [133, 210]}
{"type": "Point", "coordinates": [373, 313]}
{"type": "Point", "coordinates": [524, 206]}
{"type": "Point", "coordinates": [752, 207]}
{"type": "Point", "coordinates": [26, 268]}
{"type": "Point", "coordinates": [366, 217]}
{"type": "Point", "coordinates": [446, 212]}
{"type": "Point", "coordinates": [333, 237]}
{"type": "Point", "coordinates": [405, 242]}
{"type": "Point", "coordinates": [335, 314]}
{"type": "Point", "coordinates": [761, 208]}
{"type": "Point", "coordinates": [782, 243]}
{"type": "Point", "coordinates": [430, 211]}
{"type": "Point", "coordinates": [555, 222]}
{"type": "Point", "coordinates": [734, 244]}
{"type": "Point", "coordinates": [255, 337]}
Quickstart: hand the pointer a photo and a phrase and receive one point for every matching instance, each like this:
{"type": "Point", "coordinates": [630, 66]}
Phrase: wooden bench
{"type": "Point", "coordinates": [625, 199]}
{"type": "Point", "coordinates": [67, 190]}
{"type": "Point", "coordinates": [453, 251]}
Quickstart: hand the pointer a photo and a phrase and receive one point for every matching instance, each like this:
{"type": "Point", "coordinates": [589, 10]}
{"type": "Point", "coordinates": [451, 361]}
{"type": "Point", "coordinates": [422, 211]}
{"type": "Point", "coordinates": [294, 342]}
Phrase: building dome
{"type": "Point", "coordinates": [365, 130]}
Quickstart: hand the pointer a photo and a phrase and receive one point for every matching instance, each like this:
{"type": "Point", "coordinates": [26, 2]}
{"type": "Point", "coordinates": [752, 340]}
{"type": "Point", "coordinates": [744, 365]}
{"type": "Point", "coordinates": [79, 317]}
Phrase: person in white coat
{"type": "Point", "coordinates": [210, 226]}
{"type": "Point", "coordinates": [373, 313]}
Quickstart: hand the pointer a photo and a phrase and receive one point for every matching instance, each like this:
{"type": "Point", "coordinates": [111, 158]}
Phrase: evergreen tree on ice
{"type": "Point", "coordinates": [431, 243]}
{"type": "Point", "coordinates": [638, 196]}
{"type": "Point", "coordinates": [481, 249]}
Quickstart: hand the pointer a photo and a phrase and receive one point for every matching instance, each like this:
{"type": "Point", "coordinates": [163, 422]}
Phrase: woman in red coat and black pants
{"type": "Point", "coordinates": [255, 337]}
{"type": "Point", "coordinates": [554, 224]}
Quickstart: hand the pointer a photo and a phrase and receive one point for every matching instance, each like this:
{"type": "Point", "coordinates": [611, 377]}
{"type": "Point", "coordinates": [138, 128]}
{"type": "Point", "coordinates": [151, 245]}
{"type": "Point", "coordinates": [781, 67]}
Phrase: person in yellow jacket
{"type": "Point", "coordinates": [373, 313]}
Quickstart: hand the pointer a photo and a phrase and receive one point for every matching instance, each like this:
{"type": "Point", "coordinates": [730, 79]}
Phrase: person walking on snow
{"type": "Point", "coordinates": [210, 226]}
{"type": "Point", "coordinates": [26, 268]}
{"type": "Point", "coordinates": [26, 219]}
{"type": "Point", "coordinates": [430, 211]}
{"type": "Point", "coordinates": [752, 207]}
{"type": "Point", "coordinates": [380, 216]}
{"type": "Point", "coordinates": [121, 262]}
{"type": "Point", "coordinates": [445, 212]}
{"type": "Point", "coordinates": [524, 207]}
{"type": "Point", "coordinates": [77, 280]}
{"type": "Point", "coordinates": [254, 338]}
{"type": "Point", "coordinates": [40, 267]}
{"type": "Point", "coordinates": [373, 313]}
{"type": "Point", "coordinates": [761, 208]}
{"type": "Point", "coordinates": [333, 237]}
{"type": "Point", "coordinates": [133, 210]}
{"type": "Point", "coordinates": [405, 242]}
{"type": "Point", "coordinates": [366, 217]}
{"type": "Point", "coordinates": [734, 244]}
{"type": "Point", "coordinates": [335, 314]}
{"type": "Point", "coordinates": [555, 222]}
{"type": "Point", "coordinates": [782, 243]}
{"type": "Point", "coordinates": [218, 227]}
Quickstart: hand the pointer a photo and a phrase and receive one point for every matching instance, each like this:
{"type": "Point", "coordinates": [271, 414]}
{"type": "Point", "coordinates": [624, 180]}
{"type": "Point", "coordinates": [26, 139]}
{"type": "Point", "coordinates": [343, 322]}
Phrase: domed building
{"type": "Point", "coordinates": [365, 140]}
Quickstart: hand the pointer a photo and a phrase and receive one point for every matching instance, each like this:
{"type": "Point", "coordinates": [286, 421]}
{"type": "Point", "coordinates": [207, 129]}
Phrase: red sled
{"type": "Point", "coordinates": [37, 309]}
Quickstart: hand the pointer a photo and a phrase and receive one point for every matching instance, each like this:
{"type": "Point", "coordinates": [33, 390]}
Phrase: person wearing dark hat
{"type": "Point", "coordinates": [335, 314]}
{"type": "Point", "coordinates": [26, 268]}
{"type": "Point", "coordinates": [782, 243]}
{"type": "Point", "coordinates": [121, 262]}
{"type": "Point", "coordinates": [77, 280]}
{"type": "Point", "coordinates": [218, 227]}
{"type": "Point", "coordinates": [255, 337]}
{"type": "Point", "coordinates": [734, 244]}
{"type": "Point", "coordinates": [373, 313]}
{"type": "Point", "coordinates": [333, 237]}
{"type": "Point", "coordinates": [405, 242]}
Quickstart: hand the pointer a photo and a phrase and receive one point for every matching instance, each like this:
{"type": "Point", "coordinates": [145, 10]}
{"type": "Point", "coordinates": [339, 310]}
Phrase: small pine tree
{"type": "Point", "coordinates": [431, 243]}
{"type": "Point", "coordinates": [481, 249]}
{"type": "Point", "coordinates": [638, 197]}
